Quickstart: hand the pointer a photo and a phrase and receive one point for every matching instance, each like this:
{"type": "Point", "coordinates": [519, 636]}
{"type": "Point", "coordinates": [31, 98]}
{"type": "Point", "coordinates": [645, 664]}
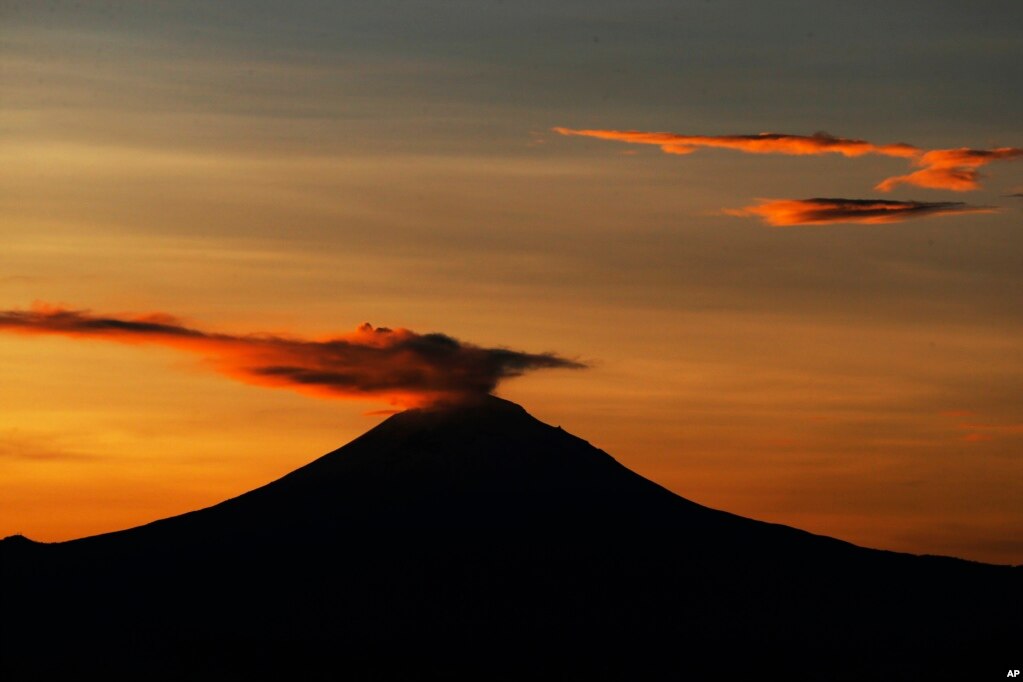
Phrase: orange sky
{"type": "Point", "coordinates": [247, 172]}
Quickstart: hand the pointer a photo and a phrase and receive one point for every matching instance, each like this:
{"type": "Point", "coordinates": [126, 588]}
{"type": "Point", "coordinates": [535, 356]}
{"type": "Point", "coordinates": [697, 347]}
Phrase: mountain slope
{"type": "Point", "coordinates": [477, 533]}
{"type": "Point", "coordinates": [486, 465]}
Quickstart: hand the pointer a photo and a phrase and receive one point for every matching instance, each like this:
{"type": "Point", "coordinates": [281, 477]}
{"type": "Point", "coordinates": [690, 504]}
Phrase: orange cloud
{"type": "Point", "coordinates": [762, 143]}
{"type": "Point", "coordinates": [398, 365]}
{"type": "Point", "coordinates": [820, 211]}
{"type": "Point", "coordinates": [979, 433]}
{"type": "Point", "coordinates": [951, 169]}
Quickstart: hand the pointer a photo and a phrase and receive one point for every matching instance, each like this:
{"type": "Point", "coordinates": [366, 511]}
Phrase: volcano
{"type": "Point", "coordinates": [477, 538]}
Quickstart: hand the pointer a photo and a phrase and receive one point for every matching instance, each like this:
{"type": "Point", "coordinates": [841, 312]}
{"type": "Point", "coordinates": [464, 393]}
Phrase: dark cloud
{"type": "Point", "coordinates": [823, 211]}
{"type": "Point", "coordinates": [397, 365]}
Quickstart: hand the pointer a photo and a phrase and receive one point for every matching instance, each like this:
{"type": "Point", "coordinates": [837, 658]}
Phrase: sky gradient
{"type": "Point", "coordinates": [814, 328]}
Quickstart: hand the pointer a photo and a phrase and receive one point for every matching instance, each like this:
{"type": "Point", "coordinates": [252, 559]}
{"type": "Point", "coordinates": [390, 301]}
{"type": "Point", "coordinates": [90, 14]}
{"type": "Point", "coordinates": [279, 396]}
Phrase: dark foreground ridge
{"type": "Point", "coordinates": [478, 540]}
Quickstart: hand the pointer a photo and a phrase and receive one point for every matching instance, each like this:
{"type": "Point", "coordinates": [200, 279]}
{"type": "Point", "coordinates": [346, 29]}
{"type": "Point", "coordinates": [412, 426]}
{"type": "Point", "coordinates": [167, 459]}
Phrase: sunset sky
{"type": "Point", "coordinates": [769, 255]}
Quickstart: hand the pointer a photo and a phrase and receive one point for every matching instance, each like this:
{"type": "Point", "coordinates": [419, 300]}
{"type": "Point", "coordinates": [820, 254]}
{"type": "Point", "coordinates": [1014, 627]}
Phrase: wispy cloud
{"type": "Point", "coordinates": [825, 211]}
{"type": "Point", "coordinates": [974, 431]}
{"type": "Point", "coordinates": [951, 169]}
{"type": "Point", "coordinates": [761, 143]}
{"type": "Point", "coordinates": [948, 169]}
{"type": "Point", "coordinates": [16, 445]}
{"type": "Point", "coordinates": [397, 365]}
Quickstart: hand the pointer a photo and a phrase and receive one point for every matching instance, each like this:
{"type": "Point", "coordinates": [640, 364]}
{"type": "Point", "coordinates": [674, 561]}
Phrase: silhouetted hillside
{"type": "Point", "coordinates": [477, 539]}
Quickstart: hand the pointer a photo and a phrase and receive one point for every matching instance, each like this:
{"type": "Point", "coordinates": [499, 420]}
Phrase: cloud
{"type": "Point", "coordinates": [397, 365]}
{"type": "Point", "coordinates": [822, 211]}
{"type": "Point", "coordinates": [973, 431]}
{"type": "Point", "coordinates": [951, 169]}
{"type": "Point", "coordinates": [15, 445]}
{"type": "Point", "coordinates": [761, 143]}
{"type": "Point", "coordinates": [979, 433]}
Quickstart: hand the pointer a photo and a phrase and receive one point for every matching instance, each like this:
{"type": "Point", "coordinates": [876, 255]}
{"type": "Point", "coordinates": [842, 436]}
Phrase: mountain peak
{"type": "Point", "coordinates": [482, 407]}
{"type": "Point", "coordinates": [475, 403]}
{"type": "Point", "coordinates": [461, 425]}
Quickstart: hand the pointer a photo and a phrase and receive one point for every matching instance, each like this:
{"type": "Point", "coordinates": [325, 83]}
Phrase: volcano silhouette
{"type": "Point", "coordinates": [476, 537]}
